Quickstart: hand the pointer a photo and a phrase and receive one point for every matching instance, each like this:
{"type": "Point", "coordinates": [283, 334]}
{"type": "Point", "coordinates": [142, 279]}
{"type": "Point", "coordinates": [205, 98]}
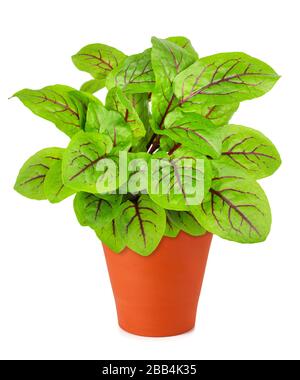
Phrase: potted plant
{"type": "Point", "coordinates": [157, 169]}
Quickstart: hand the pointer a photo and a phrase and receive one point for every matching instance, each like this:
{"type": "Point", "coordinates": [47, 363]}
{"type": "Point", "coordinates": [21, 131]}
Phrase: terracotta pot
{"type": "Point", "coordinates": [158, 295]}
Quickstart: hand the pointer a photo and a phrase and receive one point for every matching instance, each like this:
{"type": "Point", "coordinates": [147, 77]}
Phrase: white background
{"type": "Point", "coordinates": [55, 300]}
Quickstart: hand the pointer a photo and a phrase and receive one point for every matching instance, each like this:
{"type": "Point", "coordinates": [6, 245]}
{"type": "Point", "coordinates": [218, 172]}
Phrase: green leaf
{"type": "Point", "coordinates": [186, 221]}
{"type": "Point", "coordinates": [137, 172]}
{"type": "Point", "coordinates": [111, 236]}
{"type": "Point", "coordinates": [140, 102]}
{"type": "Point", "coordinates": [116, 100]}
{"type": "Point", "coordinates": [219, 114]}
{"type": "Point", "coordinates": [178, 182]}
{"type": "Point", "coordinates": [186, 153]}
{"type": "Point", "coordinates": [85, 98]}
{"type": "Point", "coordinates": [143, 224]}
{"type": "Point", "coordinates": [171, 229]}
{"type": "Point", "coordinates": [134, 75]}
{"type": "Point", "coordinates": [98, 59]}
{"type": "Point", "coordinates": [168, 60]}
{"type": "Point", "coordinates": [194, 132]}
{"type": "Point", "coordinates": [31, 179]}
{"type": "Point", "coordinates": [57, 104]}
{"type": "Point", "coordinates": [93, 85]}
{"type": "Point", "coordinates": [166, 143]}
{"type": "Point", "coordinates": [81, 160]}
{"type": "Point", "coordinates": [96, 211]}
{"type": "Point", "coordinates": [236, 207]}
{"type": "Point", "coordinates": [54, 188]}
{"type": "Point", "coordinates": [250, 150]}
{"type": "Point", "coordinates": [185, 44]}
{"type": "Point", "coordinates": [224, 78]}
{"type": "Point", "coordinates": [100, 120]}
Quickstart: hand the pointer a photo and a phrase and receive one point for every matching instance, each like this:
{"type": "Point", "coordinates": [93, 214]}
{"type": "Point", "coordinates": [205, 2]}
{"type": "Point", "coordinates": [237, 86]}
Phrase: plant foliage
{"type": "Point", "coordinates": [166, 104]}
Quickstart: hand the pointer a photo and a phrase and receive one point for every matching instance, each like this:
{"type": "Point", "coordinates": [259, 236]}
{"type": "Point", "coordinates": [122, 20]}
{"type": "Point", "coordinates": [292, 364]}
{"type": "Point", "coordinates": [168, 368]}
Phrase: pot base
{"type": "Point", "coordinates": [149, 335]}
{"type": "Point", "coordinates": [157, 296]}
{"type": "Point", "coordinates": [146, 320]}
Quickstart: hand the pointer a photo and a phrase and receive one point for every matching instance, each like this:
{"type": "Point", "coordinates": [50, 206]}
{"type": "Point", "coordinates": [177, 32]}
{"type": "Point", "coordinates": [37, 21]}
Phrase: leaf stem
{"type": "Point", "coordinates": [154, 143]}
{"type": "Point", "coordinates": [175, 147]}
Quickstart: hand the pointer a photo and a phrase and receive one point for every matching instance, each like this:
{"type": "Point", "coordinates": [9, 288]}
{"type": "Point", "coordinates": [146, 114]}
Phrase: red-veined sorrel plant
{"type": "Point", "coordinates": [165, 104]}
